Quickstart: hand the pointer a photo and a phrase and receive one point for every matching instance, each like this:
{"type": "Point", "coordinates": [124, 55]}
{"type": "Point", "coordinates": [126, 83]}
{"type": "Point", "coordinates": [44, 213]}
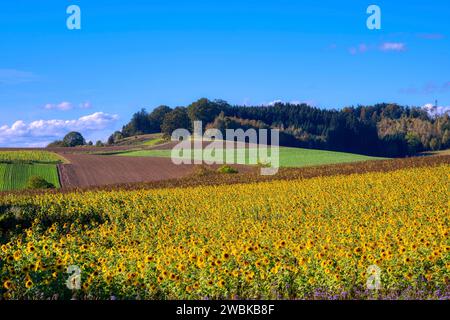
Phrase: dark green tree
{"type": "Point", "coordinates": [435, 144]}
{"type": "Point", "coordinates": [73, 139]}
{"type": "Point", "coordinates": [157, 117]}
{"type": "Point", "coordinates": [204, 110]}
{"type": "Point", "coordinates": [110, 140]}
{"type": "Point", "coordinates": [413, 142]}
{"type": "Point", "coordinates": [57, 144]}
{"type": "Point", "coordinates": [116, 136]}
{"type": "Point", "coordinates": [139, 124]}
{"type": "Point", "coordinates": [176, 119]}
{"type": "Point", "coordinates": [446, 139]}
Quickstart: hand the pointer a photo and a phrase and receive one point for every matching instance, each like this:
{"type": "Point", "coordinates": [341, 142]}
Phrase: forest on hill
{"type": "Point", "coordinates": [389, 130]}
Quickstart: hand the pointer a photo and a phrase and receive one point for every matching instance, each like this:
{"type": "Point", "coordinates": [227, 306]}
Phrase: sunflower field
{"type": "Point", "coordinates": [318, 238]}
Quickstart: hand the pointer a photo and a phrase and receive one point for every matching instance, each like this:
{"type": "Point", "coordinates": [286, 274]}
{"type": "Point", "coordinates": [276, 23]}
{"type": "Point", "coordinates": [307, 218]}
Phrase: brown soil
{"type": "Point", "coordinates": [91, 170]}
{"type": "Point", "coordinates": [96, 170]}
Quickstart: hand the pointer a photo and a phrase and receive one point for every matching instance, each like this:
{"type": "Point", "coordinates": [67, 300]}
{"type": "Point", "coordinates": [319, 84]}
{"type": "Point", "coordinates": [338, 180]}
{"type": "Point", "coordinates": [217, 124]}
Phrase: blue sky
{"type": "Point", "coordinates": [133, 54]}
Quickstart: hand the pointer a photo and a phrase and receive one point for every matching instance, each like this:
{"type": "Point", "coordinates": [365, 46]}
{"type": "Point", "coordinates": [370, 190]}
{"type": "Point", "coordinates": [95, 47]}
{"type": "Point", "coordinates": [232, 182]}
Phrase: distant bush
{"type": "Point", "coordinates": [203, 171]}
{"type": "Point", "coordinates": [57, 143]}
{"type": "Point", "coordinates": [99, 143]}
{"type": "Point", "coordinates": [36, 182]}
{"type": "Point", "coordinates": [227, 169]}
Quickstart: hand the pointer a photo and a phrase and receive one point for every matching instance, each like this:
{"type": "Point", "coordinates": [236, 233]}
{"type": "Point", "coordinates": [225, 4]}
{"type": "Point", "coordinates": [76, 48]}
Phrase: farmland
{"type": "Point", "coordinates": [29, 157]}
{"type": "Point", "coordinates": [16, 167]}
{"type": "Point", "coordinates": [101, 166]}
{"type": "Point", "coordinates": [99, 170]}
{"type": "Point", "coordinates": [15, 176]}
{"type": "Point", "coordinates": [289, 157]}
{"type": "Point", "coordinates": [275, 239]}
{"type": "Point", "coordinates": [141, 140]}
{"type": "Point", "coordinates": [156, 140]}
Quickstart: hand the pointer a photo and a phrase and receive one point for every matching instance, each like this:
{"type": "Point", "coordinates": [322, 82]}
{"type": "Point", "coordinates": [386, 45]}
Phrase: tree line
{"type": "Point", "coordinates": [73, 139]}
{"type": "Point", "coordinates": [381, 130]}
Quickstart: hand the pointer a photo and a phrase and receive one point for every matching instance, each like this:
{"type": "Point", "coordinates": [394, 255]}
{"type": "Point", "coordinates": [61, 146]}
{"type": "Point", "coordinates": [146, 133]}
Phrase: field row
{"type": "Point", "coordinates": [18, 167]}
{"type": "Point", "coordinates": [30, 157]}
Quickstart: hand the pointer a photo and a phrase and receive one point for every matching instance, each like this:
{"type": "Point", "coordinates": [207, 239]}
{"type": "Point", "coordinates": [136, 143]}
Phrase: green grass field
{"type": "Point", "coordinates": [158, 139]}
{"type": "Point", "coordinates": [150, 139]}
{"type": "Point", "coordinates": [15, 176]}
{"type": "Point", "coordinates": [289, 157]}
{"type": "Point", "coordinates": [16, 168]}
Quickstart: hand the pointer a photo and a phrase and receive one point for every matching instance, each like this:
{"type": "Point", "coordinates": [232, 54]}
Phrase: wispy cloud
{"type": "Point", "coordinates": [393, 46]}
{"type": "Point", "coordinates": [427, 88]}
{"type": "Point", "coordinates": [384, 47]}
{"type": "Point", "coordinates": [361, 48]}
{"type": "Point", "coordinates": [274, 102]}
{"type": "Point", "coordinates": [85, 105]}
{"type": "Point", "coordinates": [66, 106]}
{"type": "Point", "coordinates": [40, 132]}
{"type": "Point", "coordinates": [13, 77]}
{"type": "Point", "coordinates": [63, 106]}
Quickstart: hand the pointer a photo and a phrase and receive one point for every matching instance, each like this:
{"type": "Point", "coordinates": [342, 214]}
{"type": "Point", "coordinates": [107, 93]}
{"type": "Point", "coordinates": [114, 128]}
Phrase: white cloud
{"type": "Point", "coordinates": [434, 110]}
{"type": "Point", "coordinates": [40, 132]}
{"type": "Point", "coordinates": [393, 46]}
{"type": "Point", "coordinates": [66, 106]}
{"type": "Point", "coordinates": [272, 103]}
{"type": "Point", "coordinates": [386, 46]}
{"type": "Point", "coordinates": [12, 76]}
{"type": "Point", "coordinates": [63, 106]}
